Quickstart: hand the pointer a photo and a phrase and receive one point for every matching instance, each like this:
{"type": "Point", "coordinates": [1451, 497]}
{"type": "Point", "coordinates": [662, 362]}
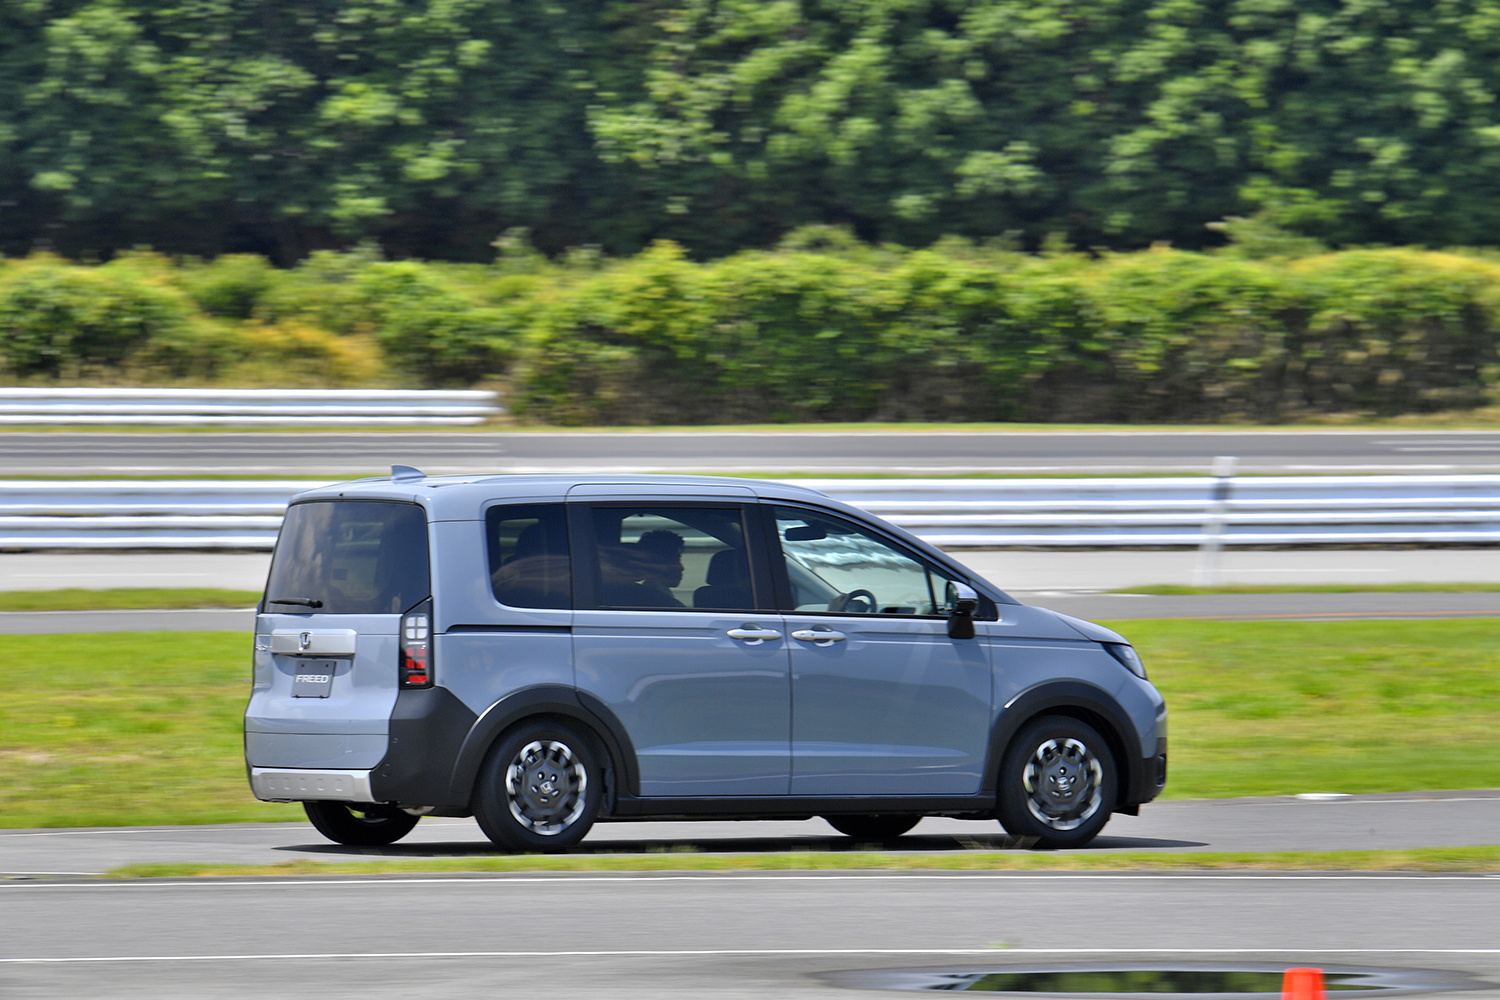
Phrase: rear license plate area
{"type": "Point", "coordinates": [314, 678]}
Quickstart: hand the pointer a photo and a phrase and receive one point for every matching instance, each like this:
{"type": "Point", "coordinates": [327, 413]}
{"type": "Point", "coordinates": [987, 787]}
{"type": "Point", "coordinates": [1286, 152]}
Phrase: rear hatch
{"type": "Point", "coordinates": [327, 636]}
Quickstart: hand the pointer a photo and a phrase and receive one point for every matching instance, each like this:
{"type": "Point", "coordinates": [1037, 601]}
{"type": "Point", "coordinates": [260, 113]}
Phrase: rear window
{"type": "Point", "coordinates": [355, 557]}
{"type": "Point", "coordinates": [528, 546]}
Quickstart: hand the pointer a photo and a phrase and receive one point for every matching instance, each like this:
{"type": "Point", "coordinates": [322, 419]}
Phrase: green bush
{"type": "Point", "coordinates": [230, 286]}
{"type": "Point", "coordinates": [962, 333]}
{"type": "Point", "coordinates": [429, 331]}
{"type": "Point", "coordinates": [1192, 337]}
{"type": "Point", "coordinates": [823, 328]}
{"type": "Point", "coordinates": [1393, 331]}
{"type": "Point", "coordinates": [64, 321]}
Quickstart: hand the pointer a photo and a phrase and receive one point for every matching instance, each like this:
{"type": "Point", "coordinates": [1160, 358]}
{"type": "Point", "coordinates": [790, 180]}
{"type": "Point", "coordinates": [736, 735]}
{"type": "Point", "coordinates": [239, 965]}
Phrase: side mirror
{"type": "Point", "coordinates": [962, 602]}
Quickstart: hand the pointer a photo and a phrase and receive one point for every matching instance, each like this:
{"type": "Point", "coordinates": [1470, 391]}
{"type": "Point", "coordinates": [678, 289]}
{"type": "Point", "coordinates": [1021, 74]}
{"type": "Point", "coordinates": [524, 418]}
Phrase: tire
{"type": "Point", "coordinates": [359, 824]}
{"type": "Point", "coordinates": [539, 788]}
{"type": "Point", "coordinates": [878, 826]}
{"type": "Point", "coordinates": [1058, 783]}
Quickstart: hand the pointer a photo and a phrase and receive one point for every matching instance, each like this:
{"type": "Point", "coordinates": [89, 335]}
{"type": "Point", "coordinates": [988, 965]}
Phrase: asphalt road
{"type": "Point", "coordinates": [1286, 823]}
{"type": "Point", "coordinates": [343, 455]}
{"type": "Point", "coordinates": [787, 936]}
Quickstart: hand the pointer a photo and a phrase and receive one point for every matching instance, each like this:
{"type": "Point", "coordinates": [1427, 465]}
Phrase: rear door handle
{"type": "Point", "coordinates": [822, 637]}
{"type": "Point", "coordinates": [753, 636]}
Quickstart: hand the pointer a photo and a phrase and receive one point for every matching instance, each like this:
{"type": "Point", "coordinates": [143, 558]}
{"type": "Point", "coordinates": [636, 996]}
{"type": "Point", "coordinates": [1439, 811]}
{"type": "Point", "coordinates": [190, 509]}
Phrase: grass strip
{"type": "Point", "coordinates": [1439, 859]}
{"type": "Point", "coordinates": [1283, 707]}
{"type": "Point", "coordinates": [125, 599]}
{"type": "Point", "coordinates": [1180, 590]}
{"type": "Point", "coordinates": [145, 728]}
{"type": "Point", "coordinates": [127, 729]}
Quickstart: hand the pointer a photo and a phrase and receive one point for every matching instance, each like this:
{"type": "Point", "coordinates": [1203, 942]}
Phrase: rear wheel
{"type": "Point", "coordinates": [539, 788]}
{"type": "Point", "coordinates": [1057, 783]}
{"type": "Point", "coordinates": [359, 824]}
{"type": "Point", "coordinates": [881, 826]}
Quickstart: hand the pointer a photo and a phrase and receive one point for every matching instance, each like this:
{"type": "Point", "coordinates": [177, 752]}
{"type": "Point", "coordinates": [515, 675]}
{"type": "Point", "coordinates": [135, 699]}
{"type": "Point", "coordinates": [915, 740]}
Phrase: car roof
{"type": "Point", "coordinates": [457, 497]}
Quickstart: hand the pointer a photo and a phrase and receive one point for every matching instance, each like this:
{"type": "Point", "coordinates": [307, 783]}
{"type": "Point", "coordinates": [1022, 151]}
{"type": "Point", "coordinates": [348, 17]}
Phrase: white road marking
{"type": "Point", "coordinates": [749, 952]}
{"type": "Point", "coordinates": [630, 878]}
{"type": "Point", "coordinates": [83, 833]}
{"type": "Point", "coordinates": [1439, 446]}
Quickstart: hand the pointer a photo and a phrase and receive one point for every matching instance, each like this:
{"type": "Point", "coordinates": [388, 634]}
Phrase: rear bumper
{"type": "Point", "coordinates": [285, 784]}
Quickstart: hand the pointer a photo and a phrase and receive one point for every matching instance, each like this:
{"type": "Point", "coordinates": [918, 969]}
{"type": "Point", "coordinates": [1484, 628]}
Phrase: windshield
{"type": "Point", "coordinates": [348, 557]}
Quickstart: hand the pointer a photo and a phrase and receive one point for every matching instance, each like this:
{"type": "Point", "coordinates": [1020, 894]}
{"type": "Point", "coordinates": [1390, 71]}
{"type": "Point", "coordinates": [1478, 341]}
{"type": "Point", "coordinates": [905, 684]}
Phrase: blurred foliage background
{"type": "Point", "coordinates": [821, 328]}
{"type": "Point", "coordinates": [705, 206]}
{"type": "Point", "coordinates": [278, 128]}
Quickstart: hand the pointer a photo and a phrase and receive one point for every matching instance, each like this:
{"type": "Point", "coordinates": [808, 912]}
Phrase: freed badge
{"type": "Point", "coordinates": [314, 678]}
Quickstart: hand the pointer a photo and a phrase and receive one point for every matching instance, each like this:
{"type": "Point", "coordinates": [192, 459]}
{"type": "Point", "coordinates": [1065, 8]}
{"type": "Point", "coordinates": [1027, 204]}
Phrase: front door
{"type": "Point", "coordinates": [670, 637]}
{"type": "Point", "coordinates": [883, 702]}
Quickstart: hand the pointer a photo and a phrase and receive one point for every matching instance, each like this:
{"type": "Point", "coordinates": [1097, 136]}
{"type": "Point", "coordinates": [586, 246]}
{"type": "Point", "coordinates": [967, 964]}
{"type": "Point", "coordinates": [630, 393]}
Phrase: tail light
{"type": "Point", "coordinates": [416, 647]}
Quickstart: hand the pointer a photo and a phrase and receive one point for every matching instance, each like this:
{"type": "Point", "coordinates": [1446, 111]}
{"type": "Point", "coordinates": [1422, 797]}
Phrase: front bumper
{"type": "Point", "coordinates": [285, 784]}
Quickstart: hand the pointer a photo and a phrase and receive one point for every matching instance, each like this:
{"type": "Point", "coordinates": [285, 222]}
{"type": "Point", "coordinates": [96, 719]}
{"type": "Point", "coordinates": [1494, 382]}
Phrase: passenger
{"type": "Point", "coordinates": [658, 556]}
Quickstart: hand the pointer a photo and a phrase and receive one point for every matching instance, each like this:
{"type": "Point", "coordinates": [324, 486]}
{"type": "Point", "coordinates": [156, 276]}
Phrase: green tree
{"type": "Point", "coordinates": [221, 124]}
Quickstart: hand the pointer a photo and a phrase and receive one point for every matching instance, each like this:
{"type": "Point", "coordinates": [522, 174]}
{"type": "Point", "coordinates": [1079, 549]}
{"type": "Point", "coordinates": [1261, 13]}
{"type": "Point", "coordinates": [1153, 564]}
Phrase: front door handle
{"type": "Point", "coordinates": [753, 636]}
{"type": "Point", "coordinates": [823, 637]}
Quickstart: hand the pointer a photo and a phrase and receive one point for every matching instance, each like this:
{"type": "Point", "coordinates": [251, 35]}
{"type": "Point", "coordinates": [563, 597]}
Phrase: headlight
{"type": "Point", "coordinates": [1127, 655]}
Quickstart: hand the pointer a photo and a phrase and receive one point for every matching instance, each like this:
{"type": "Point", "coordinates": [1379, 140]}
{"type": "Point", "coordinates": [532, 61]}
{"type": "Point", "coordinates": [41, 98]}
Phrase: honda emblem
{"type": "Point", "coordinates": [303, 641]}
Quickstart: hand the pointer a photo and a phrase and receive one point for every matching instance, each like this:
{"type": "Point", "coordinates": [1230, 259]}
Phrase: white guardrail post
{"type": "Point", "coordinates": [1213, 527]}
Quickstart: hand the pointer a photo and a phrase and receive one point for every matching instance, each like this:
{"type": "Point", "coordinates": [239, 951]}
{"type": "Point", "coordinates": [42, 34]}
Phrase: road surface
{"type": "Point", "coordinates": [913, 453]}
{"type": "Point", "coordinates": [766, 936]}
{"type": "Point", "coordinates": [1286, 823]}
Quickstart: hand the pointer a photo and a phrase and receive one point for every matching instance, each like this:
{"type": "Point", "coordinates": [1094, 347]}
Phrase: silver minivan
{"type": "Point", "coordinates": [545, 652]}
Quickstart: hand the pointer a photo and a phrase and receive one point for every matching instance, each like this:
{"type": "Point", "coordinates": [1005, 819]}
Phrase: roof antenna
{"type": "Point", "coordinates": [405, 473]}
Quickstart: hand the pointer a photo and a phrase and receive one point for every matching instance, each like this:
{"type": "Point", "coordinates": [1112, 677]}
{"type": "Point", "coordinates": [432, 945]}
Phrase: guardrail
{"type": "Point", "coordinates": [246, 407]}
{"type": "Point", "coordinates": [1150, 513]}
{"type": "Point", "coordinates": [952, 513]}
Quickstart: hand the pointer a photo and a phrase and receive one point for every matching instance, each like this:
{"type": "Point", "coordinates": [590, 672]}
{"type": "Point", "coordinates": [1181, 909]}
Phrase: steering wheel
{"type": "Point", "coordinates": [842, 602]}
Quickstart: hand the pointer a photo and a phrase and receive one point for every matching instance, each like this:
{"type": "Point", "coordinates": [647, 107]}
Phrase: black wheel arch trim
{"type": "Point", "coordinates": [1088, 703]}
{"type": "Point", "coordinates": [545, 699]}
{"type": "Point", "coordinates": [427, 728]}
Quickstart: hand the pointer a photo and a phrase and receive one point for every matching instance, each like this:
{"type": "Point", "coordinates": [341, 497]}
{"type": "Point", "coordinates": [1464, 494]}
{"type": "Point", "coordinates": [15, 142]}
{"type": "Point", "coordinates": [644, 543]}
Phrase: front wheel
{"type": "Point", "coordinates": [359, 824]}
{"type": "Point", "coordinates": [876, 827]}
{"type": "Point", "coordinates": [1057, 783]}
{"type": "Point", "coordinates": [539, 789]}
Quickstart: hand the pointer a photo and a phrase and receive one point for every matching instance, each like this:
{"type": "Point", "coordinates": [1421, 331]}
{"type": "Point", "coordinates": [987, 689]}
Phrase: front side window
{"type": "Point", "coordinates": [350, 557]}
{"type": "Point", "coordinates": [833, 565]}
{"type": "Point", "coordinates": [528, 547]}
{"type": "Point", "coordinates": [672, 557]}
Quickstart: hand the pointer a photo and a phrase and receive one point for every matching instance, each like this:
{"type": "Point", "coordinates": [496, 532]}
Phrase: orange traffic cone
{"type": "Point", "coordinates": [1302, 984]}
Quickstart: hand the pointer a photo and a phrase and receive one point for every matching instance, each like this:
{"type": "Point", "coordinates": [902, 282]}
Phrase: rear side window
{"type": "Point", "coordinates": [352, 557]}
{"type": "Point", "coordinates": [528, 546]}
{"type": "Point", "coordinates": [666, 558]}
